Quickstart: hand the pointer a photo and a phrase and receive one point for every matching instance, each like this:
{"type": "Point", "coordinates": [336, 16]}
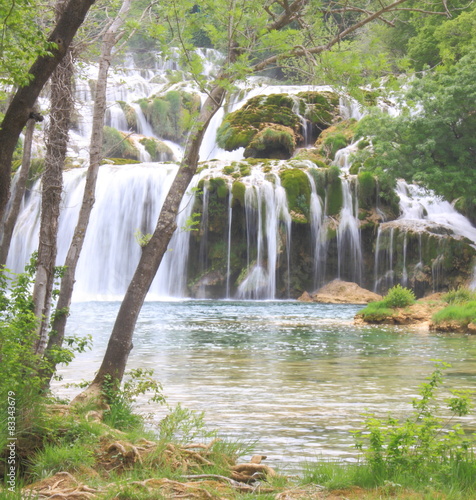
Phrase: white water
{"type": "Point", "coordinates": [130, 197]}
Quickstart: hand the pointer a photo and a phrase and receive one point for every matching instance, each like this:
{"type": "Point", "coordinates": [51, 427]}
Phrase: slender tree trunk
{"type": "Point", "coordinates": [120, 342]}
{"type": "Point", "coordinates": [25, 97]}
{"type": "Point", "coordinates": [12, 215]}
{"type": "Point", "coordinates": [110, 39]}
{"type": "Point", "coordinates": [56, 147]}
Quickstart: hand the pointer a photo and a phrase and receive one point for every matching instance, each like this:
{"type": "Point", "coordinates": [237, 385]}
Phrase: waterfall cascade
{"type": "Point", "coordinates": [252, 243]}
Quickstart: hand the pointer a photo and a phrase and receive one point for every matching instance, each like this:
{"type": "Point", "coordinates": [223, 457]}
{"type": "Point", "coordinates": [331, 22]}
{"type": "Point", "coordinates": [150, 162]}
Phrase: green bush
{"type": "Point", "coordinates": [399, 296]}
{"type": "Point", "coordinates": [424, 445]}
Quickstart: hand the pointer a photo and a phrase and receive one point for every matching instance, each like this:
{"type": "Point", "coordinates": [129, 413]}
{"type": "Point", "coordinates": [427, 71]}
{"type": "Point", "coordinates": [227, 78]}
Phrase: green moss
{"type": "Point", "coordinates": [462, 313]}
{"type": "Point", "coordinates": [157, 149]}
{"type": "Point", "coordinates": [245, 169]}
{"type": "Point", "coordinates": [298, 190]}
{"type": "Point", "coordinates": [334, 197]}
{"type": "Point", "coordinates": [130, 114]}
{"type": "Point", "coordinates": [121, 161]}
{"type": "Point", "coordinates": [171, 114]}
{"type": "Point", "coordinates": [367, 189]}
{"type": "Point", "coordinates": [238, 191]}
{"type": "Point", "coordinates": [274, 141]}
{"type": "Point", "coordinates": [336, 137]}
{"type": "Point", "coordinates": [219, 186]}
{"type": "Point", "coordinates": [117, 145]}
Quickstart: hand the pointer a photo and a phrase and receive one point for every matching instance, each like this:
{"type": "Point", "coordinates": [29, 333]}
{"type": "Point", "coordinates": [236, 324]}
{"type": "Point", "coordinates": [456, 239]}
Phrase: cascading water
{"type": "Point", "coordinates": [348, 237]}
{"type": "Point", "coordinates": [266, 215]}
{"type": "Point", "coordinates": [129, 199]}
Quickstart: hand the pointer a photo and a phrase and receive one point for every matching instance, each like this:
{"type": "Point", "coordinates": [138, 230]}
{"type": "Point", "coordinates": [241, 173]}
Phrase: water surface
{"type": "Point", "coordinates": [296, 377]}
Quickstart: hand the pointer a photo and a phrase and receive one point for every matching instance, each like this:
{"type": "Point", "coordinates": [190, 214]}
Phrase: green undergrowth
{"type": "Point", "coordinates": [397, 297]}
{"type": "Point", "coordinates": [461, 308]}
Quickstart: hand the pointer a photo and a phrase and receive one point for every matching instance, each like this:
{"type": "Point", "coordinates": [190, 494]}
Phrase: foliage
{"type": "Point", "coordinates": [141, 238]}
{"type": "Point", "coordinates": [425, 444]}
{"type": "Point", "coordinates": [432, 142]}
{"type": "Point", "coordinates": [377, 311]}
{"type": "Point", "coordinates": [399, 296]}
{"type": "Point", "coordinates": [367, 189]}
{"type": "Point", "coordinates": [138, 381]}
{"type": "Point", "coordinates": [461, 294]}
{"type": "Point", "coordinates": [22, 40]}
{"type": "Point", "coordinates": [184, 426]}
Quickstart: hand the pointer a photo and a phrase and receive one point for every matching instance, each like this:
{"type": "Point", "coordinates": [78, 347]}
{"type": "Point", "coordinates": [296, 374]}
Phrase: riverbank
{"type": "Point", "coordinates": [82, 457]}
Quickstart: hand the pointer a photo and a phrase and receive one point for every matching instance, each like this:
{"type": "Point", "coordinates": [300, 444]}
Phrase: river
{"type": "Point", "coordinates": [294, 377]}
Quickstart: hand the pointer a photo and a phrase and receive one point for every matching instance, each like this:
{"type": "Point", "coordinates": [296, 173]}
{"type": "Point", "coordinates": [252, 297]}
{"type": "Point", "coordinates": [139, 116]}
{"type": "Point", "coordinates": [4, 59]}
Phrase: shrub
{"type": "Point", "coordinates": [422, 445]}
{"type": "Point", "coordinates": [399, 296]}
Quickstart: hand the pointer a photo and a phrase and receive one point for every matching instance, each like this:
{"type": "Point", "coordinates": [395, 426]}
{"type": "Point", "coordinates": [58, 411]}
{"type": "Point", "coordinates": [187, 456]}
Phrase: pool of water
{"type": "Point", "coordinates": [295, 377]}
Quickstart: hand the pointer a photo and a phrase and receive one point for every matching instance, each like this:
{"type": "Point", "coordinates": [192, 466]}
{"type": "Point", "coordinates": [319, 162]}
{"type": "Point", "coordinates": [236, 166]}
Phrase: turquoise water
{"type": "Point", "coordinates": [294, 377]}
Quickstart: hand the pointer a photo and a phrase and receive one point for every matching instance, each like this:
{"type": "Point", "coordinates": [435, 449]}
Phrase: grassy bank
{"type": "Point", "coordinates": [81, 452]}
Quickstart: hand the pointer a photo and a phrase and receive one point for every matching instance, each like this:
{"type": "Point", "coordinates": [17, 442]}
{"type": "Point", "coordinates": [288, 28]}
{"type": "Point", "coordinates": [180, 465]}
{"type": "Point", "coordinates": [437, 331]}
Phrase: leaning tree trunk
{"type": "Point", "coordinates": [11, 215]}
{"type": "Point", "coordinates": [56, 147]}
{"type": "Point", "coordinates": [120, 342]}
{"type": "Point", "coordinates": [25, 97]}
{"type": "Point", "coordinates": [111, 37]}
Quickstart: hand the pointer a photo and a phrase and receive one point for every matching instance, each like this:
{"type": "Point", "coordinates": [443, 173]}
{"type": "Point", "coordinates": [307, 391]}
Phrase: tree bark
{"type": "Point", "coordinates": [120, 342]}
{"type": "Point", "coordinates": [25, 97]}
{"type": "Point", "coordinates": [110, 39]}
{"type": "Point", "coordinates": [11, 215]}
{"type": "Point", "coordinates": [52, 188]}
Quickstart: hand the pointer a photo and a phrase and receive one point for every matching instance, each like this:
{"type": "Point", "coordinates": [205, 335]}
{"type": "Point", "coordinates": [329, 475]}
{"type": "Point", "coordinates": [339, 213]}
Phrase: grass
{"type": "Point", "coordinates": [461, 308]}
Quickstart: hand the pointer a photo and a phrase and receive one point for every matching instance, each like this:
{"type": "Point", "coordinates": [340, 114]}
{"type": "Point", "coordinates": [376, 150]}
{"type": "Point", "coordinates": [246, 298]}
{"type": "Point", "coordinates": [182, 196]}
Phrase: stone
{"type": "Point", "coordinates": [344, 292]}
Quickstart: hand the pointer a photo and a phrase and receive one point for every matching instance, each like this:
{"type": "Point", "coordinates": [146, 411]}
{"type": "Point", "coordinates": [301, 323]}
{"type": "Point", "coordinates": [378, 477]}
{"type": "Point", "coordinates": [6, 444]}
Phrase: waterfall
{"type": "Point", "coordinates": [266, 211]}
{"type": "Point", "coordinates": [228, 255]}
{"type": "Point", "coordinates": [348, 238]}
{"type": "Point", "coordinates": [318, 234]}
{"type": "Point", "coordinates": [129, 199]}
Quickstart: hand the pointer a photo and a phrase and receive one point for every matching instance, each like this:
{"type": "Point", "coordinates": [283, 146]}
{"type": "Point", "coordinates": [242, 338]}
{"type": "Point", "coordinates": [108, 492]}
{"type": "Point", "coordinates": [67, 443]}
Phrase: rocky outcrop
{"type": "Point", "coordinates": [341, 292]}
{"type": "Point", "coordinates": [273, 126]}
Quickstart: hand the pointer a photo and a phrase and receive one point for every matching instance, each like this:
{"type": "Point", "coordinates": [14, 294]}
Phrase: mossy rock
{"type": "Point", "coordinates": [298, 192]}
{"type": "Point", "coordinates": [273, 141]}
{"type": "Point", "coordinates": [336, 137]}
{"type": "Point", "coordinates": [158, 150]}
{"type": "Point", "coordinates": [171, 114]}
{"type": "Point", "coordinates": [334, 197]}
{"type": "Point", "coordinates": [116, 144]}
{"type": "Point", "coordinates": [120, 161]}
{"type": "Point", "coordinates": [130, 115]}
{"type": "Point", "coordinates": [219, 186]}
{"type": "Point", "coordinates": [238, 191]}
{"type": "Point", "coordinates": [313, 155]}
{"type": "Point", "coordinates": [320, 108]}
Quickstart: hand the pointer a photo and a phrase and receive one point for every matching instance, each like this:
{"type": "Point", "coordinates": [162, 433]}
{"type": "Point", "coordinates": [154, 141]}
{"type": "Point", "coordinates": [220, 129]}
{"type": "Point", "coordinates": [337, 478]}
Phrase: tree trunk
{"type": "Point", "coordinates": [25, 97]}
{"type": "Point", "coordinates": [56, 147]}
{"type": "Point", "coordinates": [120, 342]}
{"type": "Point", "coordinates": [110, 39]}
{"type": "Point", "coordinates": [11, 215]}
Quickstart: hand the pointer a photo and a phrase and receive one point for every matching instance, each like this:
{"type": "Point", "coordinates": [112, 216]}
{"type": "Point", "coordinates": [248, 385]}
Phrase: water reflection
{"type": "Point", "coordinates": [297, 377]}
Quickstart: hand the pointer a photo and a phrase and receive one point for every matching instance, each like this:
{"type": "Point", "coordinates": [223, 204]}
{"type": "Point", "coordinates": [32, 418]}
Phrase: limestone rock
{"type": "Point", "coordinates": [343, 292]}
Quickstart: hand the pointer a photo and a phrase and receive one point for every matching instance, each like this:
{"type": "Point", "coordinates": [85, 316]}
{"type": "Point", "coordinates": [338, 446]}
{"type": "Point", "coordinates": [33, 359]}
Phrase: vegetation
{"type": "Point", "coordinates": [397, 297]}
{"type": "Point", "coordinates": [460, 311]}
{"type": "Point", "coordinates": [425, 452]}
